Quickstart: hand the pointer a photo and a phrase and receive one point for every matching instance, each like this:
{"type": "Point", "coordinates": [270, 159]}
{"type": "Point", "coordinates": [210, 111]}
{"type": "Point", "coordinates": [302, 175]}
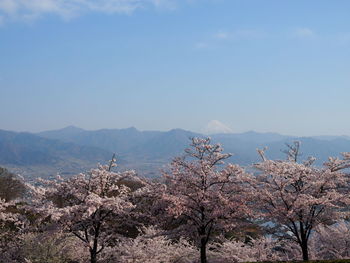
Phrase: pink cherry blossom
{"type": "Point", "coordinates": [295, 198]}
{"type": "Point", "coordinates": [206, 195]}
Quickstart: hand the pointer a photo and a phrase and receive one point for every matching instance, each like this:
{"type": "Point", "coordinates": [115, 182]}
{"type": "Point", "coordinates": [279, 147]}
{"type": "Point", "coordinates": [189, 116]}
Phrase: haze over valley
{"type": "Point", "coordinates": [72, 150]}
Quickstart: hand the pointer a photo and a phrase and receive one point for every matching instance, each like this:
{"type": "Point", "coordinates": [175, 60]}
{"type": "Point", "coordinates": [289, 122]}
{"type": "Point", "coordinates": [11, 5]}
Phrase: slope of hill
{"type": "Point", "coordinates": [144, 151]}
{"type": "Point", "coordinates": [252, 137]}
{"type": "Point", "coordinates": [26, 152]}
{"type": "Point", "coordinates": [116, 140]}
{"type": "Point", "coordinates": [62, 134]}
{"type": "Point", "coordinates": [154, 147]}
{"type": "Point", "coordinates": [130, 142]}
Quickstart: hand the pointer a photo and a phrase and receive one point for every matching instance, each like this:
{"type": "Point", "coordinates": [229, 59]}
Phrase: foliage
{"type": "Point", "coordinates": [207, 196]}
{"type": "Point", "coordinates": [11, 186]}
{"type": "Point", "coordinates": [203, 211]}
{"type": "Point", "coordinates": [331, 242]}
{"type": "Point", "coordinates": [151, 247]}
{"type": "Point", "coordinates": [92, 207]}
{"type": "Point", "coordinates": [294, 198]}
{"type": "Point", "coordinates": [11, 225]}
{"type": "Point", "coordinates": [51, 247]}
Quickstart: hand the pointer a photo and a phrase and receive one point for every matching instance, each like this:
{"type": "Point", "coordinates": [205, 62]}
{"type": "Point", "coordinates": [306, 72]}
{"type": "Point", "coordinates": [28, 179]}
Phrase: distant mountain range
{"type": "Point", "coordinates": [32, 155]}
{"type": "Point", "coordinates": [72, 150]}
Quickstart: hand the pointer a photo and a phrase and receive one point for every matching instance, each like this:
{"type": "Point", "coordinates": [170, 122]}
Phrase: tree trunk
{"type": "Point", "coordinates": [93, 256]}
{"type": "Point", "coordinates": [93, 252]}
{"type": "Point", "coordinates": [305, 250]}
{"type": "Point", "coordinates": [203, 250]}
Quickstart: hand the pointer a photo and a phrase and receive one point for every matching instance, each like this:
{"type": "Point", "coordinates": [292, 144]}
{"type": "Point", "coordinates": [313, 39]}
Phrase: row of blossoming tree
{"type": "Point", "coordinates": [201, 210]}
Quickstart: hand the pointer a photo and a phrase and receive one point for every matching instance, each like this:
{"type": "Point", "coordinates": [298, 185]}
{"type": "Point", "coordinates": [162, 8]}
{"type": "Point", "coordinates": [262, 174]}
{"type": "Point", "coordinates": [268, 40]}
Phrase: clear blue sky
{"type": "Point", "coordinates": [273, 65]}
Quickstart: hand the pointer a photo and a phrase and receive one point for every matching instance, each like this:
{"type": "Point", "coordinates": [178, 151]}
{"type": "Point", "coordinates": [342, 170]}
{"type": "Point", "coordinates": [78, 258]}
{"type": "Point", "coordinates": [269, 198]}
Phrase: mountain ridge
{"type": "Point", "coordinates": [20, 150]}
{"type": "Point", "coordinates": [144, 151]}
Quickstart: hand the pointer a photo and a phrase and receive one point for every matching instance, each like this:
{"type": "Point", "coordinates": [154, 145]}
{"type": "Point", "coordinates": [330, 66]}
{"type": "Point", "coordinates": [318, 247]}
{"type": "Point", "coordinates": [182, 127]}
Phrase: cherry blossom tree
{"type": "Point", "coordinates": [11, 223]}
{"type": "Point", "coordinates": [151, 246]}
{"type": "Point", "coordinates": [331, 242]}
{"type": "Point", "coordinates": [295, 198]}
{"type": "Point", "coordinates": [49, 246]}
{"type": "Point", "coordinates": [12, 186]}
{"type": "Point", "coordinates": [5, 215]}
{"type": "Point", "coordinates": [206, 196]}
{"type": "Point", "coordinates": [92, 206]}
{"type": "Point", "coordinates": [257, 250]}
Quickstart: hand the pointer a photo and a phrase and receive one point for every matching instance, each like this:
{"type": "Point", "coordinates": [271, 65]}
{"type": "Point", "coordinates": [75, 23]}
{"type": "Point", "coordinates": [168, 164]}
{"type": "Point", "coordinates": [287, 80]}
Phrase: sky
{"type": "Point", "coordinates": [235, 65]}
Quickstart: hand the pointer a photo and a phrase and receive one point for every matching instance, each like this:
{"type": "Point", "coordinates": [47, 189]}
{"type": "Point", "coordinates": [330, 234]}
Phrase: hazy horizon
{"type": "Point", "coordinates": [202, 131]}
{"type": "Point", "coordinates": [267, 66]}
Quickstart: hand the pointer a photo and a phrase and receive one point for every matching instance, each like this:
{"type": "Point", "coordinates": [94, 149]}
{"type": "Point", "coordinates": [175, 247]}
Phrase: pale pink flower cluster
{"type": "Point", "coordinates": [90, 206]}
{"type": "Point", "coordinates": [208, 196]}
{"type": "Point", "coordinates": [297, 197]}
{"type": "Point", "coordinates": [5, 216]}
{"type": "Point", "coordinates": [331, 242]}
{"type": "Point", "coordinates": [8, 215]}
{"type": "Point", "coordinates": [11, 224]}
{"type": "Point", "coordinates": [151, 247]}
{"type": "Point", "coordinates": [262, 249]}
